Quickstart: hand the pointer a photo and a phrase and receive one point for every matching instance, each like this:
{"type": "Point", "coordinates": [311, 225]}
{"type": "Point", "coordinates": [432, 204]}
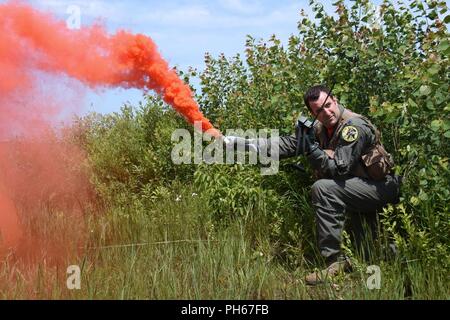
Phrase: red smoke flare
{"type": "Point", "coordinates": [35, 46]}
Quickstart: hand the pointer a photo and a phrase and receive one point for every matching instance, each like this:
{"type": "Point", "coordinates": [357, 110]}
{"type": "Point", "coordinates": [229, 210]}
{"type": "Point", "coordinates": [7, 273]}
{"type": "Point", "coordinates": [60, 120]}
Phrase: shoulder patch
{"type": "Point", "coordinates": [349, 133]}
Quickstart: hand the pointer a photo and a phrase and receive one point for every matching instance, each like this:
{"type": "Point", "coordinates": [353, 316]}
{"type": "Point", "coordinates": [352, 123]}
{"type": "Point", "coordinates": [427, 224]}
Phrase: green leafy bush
{"type": "Point", "coordinates": [130, 151]}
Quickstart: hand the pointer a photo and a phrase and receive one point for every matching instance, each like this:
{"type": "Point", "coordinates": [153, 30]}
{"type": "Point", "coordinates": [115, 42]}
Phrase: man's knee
{"type": "Point", "coordinates": [321, 189]}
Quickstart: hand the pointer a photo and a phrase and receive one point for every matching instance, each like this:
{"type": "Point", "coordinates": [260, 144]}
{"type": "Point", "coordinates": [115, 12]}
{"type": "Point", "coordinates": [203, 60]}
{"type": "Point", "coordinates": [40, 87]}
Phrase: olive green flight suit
{"type": "Point", "coordinates": [343, 185]}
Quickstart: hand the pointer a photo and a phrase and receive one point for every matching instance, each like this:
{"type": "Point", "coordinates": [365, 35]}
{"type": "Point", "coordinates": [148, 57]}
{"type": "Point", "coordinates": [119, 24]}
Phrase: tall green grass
{"type": "Point", "coordinates": [175, 250]}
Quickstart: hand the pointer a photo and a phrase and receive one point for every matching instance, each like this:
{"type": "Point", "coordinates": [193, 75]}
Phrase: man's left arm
{"type": "Point", "coordinates": [353, 140]}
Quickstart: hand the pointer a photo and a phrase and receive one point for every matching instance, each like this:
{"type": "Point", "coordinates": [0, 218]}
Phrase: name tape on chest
{"type": "Point", "coordinates": [349, 133]}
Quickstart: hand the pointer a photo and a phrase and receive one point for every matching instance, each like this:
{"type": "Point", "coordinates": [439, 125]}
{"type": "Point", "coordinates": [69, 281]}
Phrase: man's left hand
{"type": "Point", "coordinates": [311, 143]}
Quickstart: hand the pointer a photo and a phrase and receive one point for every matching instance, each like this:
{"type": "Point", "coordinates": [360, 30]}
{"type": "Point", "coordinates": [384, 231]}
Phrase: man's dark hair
{"type": "Point", "coordinates": [313, 93]}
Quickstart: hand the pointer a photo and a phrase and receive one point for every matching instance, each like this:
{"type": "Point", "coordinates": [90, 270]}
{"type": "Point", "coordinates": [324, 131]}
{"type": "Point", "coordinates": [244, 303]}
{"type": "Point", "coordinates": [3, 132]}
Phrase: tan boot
{"type": "Point", "coordinates": [330, 272]}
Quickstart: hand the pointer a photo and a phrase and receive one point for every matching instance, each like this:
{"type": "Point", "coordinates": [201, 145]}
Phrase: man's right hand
{"type": "Point", "coordinates": [241, 143]}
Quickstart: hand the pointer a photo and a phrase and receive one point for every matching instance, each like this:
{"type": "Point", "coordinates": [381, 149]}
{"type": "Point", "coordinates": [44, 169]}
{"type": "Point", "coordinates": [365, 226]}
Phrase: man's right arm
{"type": "Point", "coordinates": [284, 145]}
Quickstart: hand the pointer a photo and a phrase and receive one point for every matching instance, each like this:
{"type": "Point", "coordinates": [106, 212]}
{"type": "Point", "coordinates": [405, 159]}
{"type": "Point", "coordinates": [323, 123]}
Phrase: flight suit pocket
{"type": "Point", "coordinates": [378, 162]}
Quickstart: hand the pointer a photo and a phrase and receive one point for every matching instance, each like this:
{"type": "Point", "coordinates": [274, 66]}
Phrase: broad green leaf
{"type": "Point", "coordinates": [349, 54]}
{"type": "Point", "coordinates": [432, 15]}
{"type": "Point", "coordinates": [447, 19]}
{"type": "Point", "coordinates": [434, 69]}
{"type": "Point", "coordinates": [446, 124]}
{"type": "Point", "coordinates": [444, 45]}
{"type": "Point", "coordinates": [414, 201]}
{"type": "Point", "coordinates": [436, 125]}
{"type": "Point", "coordinates": [412, 103]}
{"type": "Point", "coordinates": [424, 90]}
{"type": "Point", "coordinates": [423, 196]}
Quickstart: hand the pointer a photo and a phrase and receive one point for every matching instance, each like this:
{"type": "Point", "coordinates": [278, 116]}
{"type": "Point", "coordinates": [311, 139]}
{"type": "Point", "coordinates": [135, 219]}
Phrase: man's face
{"type": "Point", "coordinates": [330, 112]}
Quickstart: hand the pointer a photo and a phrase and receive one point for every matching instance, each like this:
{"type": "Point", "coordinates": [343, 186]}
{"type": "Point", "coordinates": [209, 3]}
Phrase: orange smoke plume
{"type": "Point", "coordinates": [38, 51]}
{"type": "Point", "coordinates": [91, 56]}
